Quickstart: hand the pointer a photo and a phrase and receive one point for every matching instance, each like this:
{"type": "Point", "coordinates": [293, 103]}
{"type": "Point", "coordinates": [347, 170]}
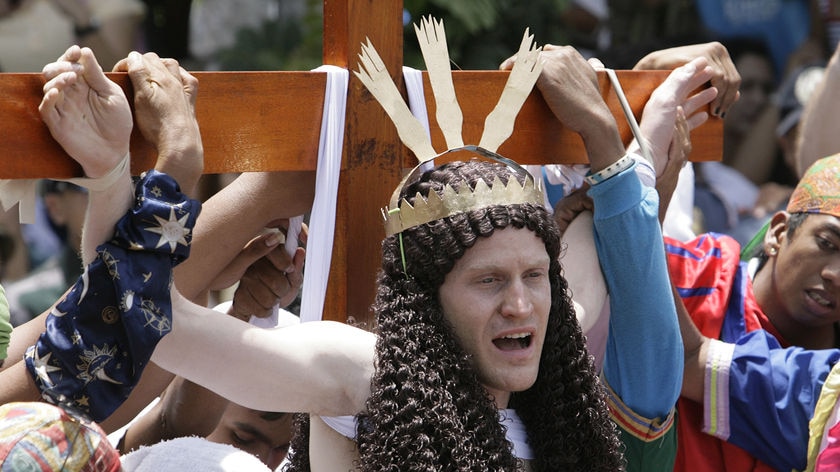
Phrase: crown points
{"type": "Point", "coordinates": [463, 200]}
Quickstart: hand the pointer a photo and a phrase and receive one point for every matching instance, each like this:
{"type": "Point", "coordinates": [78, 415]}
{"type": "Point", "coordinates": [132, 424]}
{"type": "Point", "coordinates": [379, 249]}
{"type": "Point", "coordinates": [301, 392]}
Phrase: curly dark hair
{"type": "Point", "coordinates": [428, 410]}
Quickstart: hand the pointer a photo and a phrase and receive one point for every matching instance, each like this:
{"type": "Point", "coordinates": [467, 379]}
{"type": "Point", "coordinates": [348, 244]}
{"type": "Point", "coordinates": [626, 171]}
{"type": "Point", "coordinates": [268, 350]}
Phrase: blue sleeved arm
{"type": "Point", "coordinates": [761, 397]}
{"type": "Point", "coordinates": [644, 356]}
{"type": "Point", "coordinates": [99, 337]}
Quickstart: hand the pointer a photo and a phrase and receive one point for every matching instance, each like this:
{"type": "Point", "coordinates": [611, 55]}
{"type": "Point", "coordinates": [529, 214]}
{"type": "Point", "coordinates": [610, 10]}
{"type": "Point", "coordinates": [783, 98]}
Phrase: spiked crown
{"type": "Point", "coordinates": [498, 126]}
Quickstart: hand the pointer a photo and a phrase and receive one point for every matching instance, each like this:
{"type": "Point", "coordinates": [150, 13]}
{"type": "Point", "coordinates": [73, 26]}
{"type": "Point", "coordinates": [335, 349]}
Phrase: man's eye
{"type": "Point", "coordinates": [241, 440]}
{"type": "Point", "coordinates": [826, 244]}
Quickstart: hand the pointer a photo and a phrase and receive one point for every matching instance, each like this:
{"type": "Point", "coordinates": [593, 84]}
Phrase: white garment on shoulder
{"type": "Point", "coordinates": [514, 430]}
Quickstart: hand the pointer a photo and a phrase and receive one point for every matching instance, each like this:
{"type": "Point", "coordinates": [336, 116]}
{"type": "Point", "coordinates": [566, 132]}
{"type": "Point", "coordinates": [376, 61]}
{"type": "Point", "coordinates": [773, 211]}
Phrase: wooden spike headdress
{"type": "Point", "coordinates": [498, 126]}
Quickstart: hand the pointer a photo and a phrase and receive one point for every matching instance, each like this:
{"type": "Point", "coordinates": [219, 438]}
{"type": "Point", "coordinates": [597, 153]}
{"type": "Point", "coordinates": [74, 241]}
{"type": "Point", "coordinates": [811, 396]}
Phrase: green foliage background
{"type": "Point", "coordinates": [480, 34]}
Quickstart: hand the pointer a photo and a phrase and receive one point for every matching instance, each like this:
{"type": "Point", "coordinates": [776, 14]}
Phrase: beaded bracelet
{"type": "Point", "coordinates": [613, 169]}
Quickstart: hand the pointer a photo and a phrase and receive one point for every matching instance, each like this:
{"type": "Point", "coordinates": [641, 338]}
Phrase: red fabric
{"type": "Point", "coordinates": [829, 458]}
{"type": "Point", "coordinates": [706, 267]}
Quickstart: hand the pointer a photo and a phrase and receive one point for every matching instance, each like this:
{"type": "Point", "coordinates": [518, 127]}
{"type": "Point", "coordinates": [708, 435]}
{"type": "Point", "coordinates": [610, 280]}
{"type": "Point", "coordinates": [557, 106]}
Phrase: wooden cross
{"type": "Point", "coordinates": [247, 118]}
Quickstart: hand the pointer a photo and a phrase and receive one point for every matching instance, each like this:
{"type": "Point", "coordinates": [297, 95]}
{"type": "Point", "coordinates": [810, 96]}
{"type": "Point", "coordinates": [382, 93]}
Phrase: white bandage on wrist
{"type": "Point", "coordinates": [613, 169]}
{"type": "Point", "coordinates": [102, 183]}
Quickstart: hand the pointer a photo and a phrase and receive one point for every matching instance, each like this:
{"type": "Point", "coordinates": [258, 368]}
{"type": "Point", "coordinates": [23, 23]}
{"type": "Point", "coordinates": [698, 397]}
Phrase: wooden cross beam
{"type": "Point", "coordinates": [270, 121]}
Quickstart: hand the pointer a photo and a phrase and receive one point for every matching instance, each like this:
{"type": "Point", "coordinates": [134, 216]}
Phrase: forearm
{"type": "Point", "coordinates": [24, 336]}
{"type": "Point", "coordinates": [16, 384]}
{"type": "Point", "coordinates": [696, 347]}
{"type": "Point", "coordinates": [268, 197]}
{"type": "Point", "coordinates": [602, 141]}
{"type": "Point", "coordinates": [318, 367]}
{"type": "Point", "coordinates": [121, 304]}
{"type": "Point", "coordinates": [818, 135]}
{"type": "Point", "coordinates": [105, 208]}
{"type": "Point", "coordinates": [151, 385]}
{"type": "Point", "coordinates": [644, 357]}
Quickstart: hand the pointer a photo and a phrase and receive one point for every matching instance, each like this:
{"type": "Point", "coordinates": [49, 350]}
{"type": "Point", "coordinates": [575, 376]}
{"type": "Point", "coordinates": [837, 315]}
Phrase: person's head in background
{"type": "Point", "coordinates": [758, 82]}
{"type": "Point", "coordinates": [65, 204]}
{"type": "Point", "coordinates": [266, 435]}
{"type": "Point", "coordinates": [791, 98]}
{"type": "Point", "coordinates": [8, 6]}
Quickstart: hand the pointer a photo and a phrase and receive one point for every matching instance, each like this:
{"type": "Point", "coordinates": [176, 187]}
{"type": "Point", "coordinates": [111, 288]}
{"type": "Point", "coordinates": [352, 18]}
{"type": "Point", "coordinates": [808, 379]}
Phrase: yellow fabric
{"type": "Point", "coordinates": [825, 406]}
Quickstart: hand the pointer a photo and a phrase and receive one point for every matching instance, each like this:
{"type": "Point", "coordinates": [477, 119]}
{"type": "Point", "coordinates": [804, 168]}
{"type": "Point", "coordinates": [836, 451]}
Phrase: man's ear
{"type": "Point", "coordinates": [776, 233]}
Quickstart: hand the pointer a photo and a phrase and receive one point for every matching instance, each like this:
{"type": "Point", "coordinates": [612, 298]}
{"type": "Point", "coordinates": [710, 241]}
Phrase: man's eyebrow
{"type": "Point", "coordinates": [832, 227]}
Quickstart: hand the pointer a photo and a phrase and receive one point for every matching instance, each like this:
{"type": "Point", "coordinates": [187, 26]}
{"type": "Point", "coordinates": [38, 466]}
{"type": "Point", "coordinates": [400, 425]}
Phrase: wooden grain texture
{"type": "Point", "coordinates": [249, 121]}
{"type": "Point", "coordinates": [538, 137]}
{"type": "Point", "coordinates": [270, 121]}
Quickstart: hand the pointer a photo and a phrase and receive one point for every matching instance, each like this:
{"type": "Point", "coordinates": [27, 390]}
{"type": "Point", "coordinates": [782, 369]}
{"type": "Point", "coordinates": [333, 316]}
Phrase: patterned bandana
{"type": "Point", "coordinates": [100, 336]}
{"type": "Point", "coordinates": [819, 189]}
{"type": "Point", "coordinates": [36, 436]}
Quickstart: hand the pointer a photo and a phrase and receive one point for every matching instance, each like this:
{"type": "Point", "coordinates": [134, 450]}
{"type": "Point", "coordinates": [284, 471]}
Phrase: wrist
{"type": "Point", "coordinates": [611, 170]}
{"type": "Point", "coordinates": [602, 141]}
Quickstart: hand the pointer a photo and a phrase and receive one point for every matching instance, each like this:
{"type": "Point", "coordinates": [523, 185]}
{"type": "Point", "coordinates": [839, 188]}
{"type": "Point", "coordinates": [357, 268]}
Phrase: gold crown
{"type": "Point", "coordinates": [401, 215]}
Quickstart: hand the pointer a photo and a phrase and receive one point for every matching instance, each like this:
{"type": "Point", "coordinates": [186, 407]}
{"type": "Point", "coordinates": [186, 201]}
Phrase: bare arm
{"type": "Point", "coordinates": [89, 116]}
{"type": "Point", "coordinates": [71, 122]}
{"type": "Point", "coordinates": [186, 408]}
{"type": "Point", "coordinates": [318, 367]}
{"type": "Point", "coordinates": [696, 348]}
{"type": "Point", "coordinates": [269, 196]}
{"type": "Point", "coordinates": [818, 135]}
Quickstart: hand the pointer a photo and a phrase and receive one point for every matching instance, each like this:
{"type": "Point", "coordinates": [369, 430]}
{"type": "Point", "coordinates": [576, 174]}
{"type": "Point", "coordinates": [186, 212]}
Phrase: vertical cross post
{"type": "Point", "coordinates": [373, 153]}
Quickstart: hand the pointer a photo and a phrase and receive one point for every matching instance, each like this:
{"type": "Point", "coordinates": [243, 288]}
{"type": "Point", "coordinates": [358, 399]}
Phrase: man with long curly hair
{"type": "Point", "coordinates": [477, 361]}
{"type": "Point", "coordinates": [480, 361]}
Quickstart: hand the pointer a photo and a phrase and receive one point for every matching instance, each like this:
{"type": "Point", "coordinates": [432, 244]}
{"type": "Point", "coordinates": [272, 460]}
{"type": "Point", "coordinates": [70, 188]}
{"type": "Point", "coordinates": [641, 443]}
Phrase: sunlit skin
{"type": "Point", "coordinates": [264, 435]}
{"type": "Point", "coordinates": [497, 298]}
{"type": "Point", "coordinates": [799, 288]}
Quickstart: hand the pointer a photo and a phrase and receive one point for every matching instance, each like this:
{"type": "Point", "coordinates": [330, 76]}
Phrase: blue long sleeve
{"type": "Point", "coordinates": [770, 394]}
{"type": "Point", "coordinates": [644, 355]}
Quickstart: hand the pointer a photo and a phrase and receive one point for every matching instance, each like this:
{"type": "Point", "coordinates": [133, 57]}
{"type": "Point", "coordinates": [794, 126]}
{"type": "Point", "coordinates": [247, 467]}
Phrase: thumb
{"type": "Point", "coordinates": [596, 63]}
{"type": "Point", "coordinates": [93, 74]}
{"type": "Point", "coordinates": [255, 249]}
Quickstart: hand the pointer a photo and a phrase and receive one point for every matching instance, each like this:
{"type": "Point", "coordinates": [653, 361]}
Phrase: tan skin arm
{"type": "Point", "coordinates": [219, 242]}
{"type": "Point", "coordinates": [818, 135]}
{"type": "Point", "coordinates": [331, 363]}
{"type": "Point", "coordinates": [188, 409]}
{"type": "Point", "coordinates": [169, 91]}
{"type": "Point", "coordinates": [696, 348]}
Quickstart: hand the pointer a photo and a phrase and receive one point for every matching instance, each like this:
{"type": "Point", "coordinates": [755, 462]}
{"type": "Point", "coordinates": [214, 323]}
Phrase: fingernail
{"type": "Point", "coordinates": [723, 115]}
{"type": "Point", "coordinates": [717, 111]}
